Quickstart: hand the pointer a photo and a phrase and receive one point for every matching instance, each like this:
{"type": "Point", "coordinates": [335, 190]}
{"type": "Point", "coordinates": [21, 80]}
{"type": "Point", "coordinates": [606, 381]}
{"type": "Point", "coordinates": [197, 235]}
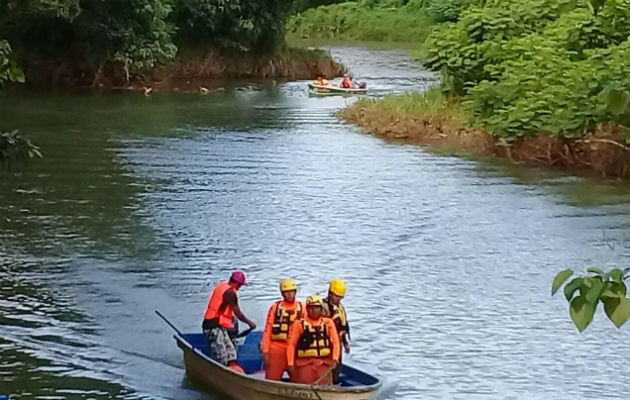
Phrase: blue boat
{"type": "Point", "coordinates": [355, 384]}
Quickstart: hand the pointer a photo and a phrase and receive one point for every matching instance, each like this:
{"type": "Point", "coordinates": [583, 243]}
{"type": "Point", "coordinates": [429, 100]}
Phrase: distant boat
{"type": "Point", "coordinates": [331, 89]}
{"type": "Point", "coordinates": [355, 384]}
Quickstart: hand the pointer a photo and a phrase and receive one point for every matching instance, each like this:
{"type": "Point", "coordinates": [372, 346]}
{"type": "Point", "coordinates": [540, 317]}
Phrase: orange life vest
{"type": "Point", "coordinates": [225, 316]}
{"type": "Point", "coordinates": [314, 341]}
{"type": "Point", "coordinates": [340, 318]}
{"type": "Point", "coordinates": [283, 319]}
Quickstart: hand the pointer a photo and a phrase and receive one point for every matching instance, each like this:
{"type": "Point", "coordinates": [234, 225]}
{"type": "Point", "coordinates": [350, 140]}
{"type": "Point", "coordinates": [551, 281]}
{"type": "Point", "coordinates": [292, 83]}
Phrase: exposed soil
{"type": "Point", "coordinates": [602, 150]}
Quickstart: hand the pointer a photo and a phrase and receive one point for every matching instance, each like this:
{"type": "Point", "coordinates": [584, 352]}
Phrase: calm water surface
{"type": "Point", "coordinates": [144, 203]}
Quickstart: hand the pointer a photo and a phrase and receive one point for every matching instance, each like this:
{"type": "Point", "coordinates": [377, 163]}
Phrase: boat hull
{"type": "Point", "coordinates": [236, 385]}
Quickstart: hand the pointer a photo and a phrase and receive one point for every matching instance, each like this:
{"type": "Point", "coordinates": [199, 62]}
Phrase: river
{"type": "Point", "coordinates": [144, 203]}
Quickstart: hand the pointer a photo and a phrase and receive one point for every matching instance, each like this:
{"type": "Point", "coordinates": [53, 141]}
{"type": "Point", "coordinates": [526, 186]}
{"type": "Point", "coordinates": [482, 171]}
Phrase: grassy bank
{"type": "Point", "coordinates": [363, 20]}
{"type": "Point", "coordinates": [432, 119]}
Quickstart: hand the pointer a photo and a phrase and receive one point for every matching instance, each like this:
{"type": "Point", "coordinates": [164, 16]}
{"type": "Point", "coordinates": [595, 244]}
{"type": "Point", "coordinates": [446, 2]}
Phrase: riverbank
{"type": "Point", "coordinates": [207, 68]}
{"type": "Point", "coordinates": [437, 122]}
{"type": "Point", "coordinates": [359, 21]}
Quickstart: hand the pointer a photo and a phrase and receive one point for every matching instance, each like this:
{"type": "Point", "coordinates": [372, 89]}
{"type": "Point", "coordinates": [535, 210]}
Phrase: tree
{"type": "Point", "coordinates": [586, 292]}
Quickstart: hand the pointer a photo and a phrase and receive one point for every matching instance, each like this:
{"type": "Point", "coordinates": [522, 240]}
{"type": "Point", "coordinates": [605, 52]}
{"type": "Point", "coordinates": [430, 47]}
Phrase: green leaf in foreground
{"type": "Point", "coordinates": [560, 279]}
{"type": "Point", "coordinates": [595, 270]}
{"type": "Point", "coordinates": [571, 287]}
{"type": "Point", "coordinates": [592, 295]}
{"type": "Point", "coordinates": [581, 312]}
{"type": "Point", "coordinates": [617, 309]}
{"type": "Point", "coordinates": [616, 275]}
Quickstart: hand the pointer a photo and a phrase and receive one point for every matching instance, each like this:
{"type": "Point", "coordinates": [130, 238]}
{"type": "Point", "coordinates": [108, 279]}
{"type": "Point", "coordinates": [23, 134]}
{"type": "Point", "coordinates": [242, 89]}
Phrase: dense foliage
{"type": "Point", "coordinates": [86, 37]}
{"type": "Point", "coordinates": [237, 24]}
{"type": "Point", "coordinates": [9, 71]}
{"type": "Point", "coordinates": [585, 293]}
{"type": "Point", "coordinates": [381, 20]}
{"type": "Point", "coordinates": [529, 66]}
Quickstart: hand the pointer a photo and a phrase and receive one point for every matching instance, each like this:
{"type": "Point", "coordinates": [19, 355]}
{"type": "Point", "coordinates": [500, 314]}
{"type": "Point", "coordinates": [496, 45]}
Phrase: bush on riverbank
{"type": "Point", "coordinates": [387, 21]}
{"type": "Point", "coordinates": [82, 42]}
{"type": "Point", "coordinates": [537, 66]}
{"type": "Point", "coordinates": [548, 79]}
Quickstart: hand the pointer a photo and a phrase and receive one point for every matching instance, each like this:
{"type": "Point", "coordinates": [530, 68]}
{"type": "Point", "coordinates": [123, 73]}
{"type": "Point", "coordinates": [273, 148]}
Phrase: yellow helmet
{"type": "Point", "coordinates": [338, 287]}
{"type": "Point", "coordinates": [315, 300]}
{"type": "Point", "coordinates": [287, 284]}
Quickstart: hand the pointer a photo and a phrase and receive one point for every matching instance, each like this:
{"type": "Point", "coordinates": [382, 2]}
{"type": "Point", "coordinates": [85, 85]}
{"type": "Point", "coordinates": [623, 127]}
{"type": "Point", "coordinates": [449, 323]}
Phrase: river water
{"type": "Point", "coordinates": [144, 203]}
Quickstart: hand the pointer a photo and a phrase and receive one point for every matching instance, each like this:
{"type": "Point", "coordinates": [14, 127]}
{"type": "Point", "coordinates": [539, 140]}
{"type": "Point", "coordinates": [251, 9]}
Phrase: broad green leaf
{"type": "Point", "coordinates": [617, 310]}
{"type": "Point", "coordinates": [571, 287]}
{"type": "Point", "coordinates": [616, 275]}
{"type": "Point", "coordinates": [581, 312]}
{"type": "Point", "coordinates": [560, 278]}
{"type": "Point", "coordinates": [595, 270]}
{"type": "Point", "coordinates": [592, 295]}
{"type": "Point", "coordinates": [617, 101]}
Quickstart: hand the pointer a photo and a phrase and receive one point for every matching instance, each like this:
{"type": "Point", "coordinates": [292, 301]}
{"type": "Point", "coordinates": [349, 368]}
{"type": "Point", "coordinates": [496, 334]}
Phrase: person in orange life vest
{"type": "Point", "coordinates": [281, 315]}
{"type": "Point", "coordinates": [334, 310]}
{"type": "Point", "coordinates": [313, 345]}
{"type": "Point", "coordinates": [321, 81]}
{"type": "Point", "coordinates": [219, 318]}
{"type": "Point", "coordinates": [346, 82]}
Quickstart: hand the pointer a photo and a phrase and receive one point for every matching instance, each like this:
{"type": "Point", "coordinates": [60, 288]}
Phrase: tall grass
{"type": "Point", "coordinates": [356, 21]}
{"type": "Point", "coordinates": [430, 104]}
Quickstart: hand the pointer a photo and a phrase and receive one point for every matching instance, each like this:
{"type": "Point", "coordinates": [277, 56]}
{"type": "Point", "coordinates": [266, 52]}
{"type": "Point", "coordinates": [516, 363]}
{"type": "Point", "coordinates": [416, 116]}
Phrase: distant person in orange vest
{"type": "Point", "coordinates": [281, 315]}
{"type": "Point", "coordinates": [313, 347]}
{"type": "Point", "coordinates": [219, 319]}
{"type": "Point", "coordinates": [347, 82]}
{"type": "Point", "coordinates": [322, 81]}
{"type": "Point", "coordinates": [334, 310]}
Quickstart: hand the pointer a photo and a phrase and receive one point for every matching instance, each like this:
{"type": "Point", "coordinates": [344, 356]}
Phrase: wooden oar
{"type": "Point", "coordinates": [168, 322]}
{"type": "Point", "coordinates": [330, 370]}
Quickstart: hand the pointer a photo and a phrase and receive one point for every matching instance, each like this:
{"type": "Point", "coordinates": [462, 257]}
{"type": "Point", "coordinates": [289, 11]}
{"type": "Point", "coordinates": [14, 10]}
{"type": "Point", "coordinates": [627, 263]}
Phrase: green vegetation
{"type": "Point", "coordinates": [16, 147]}
{"type": "Point", "coordinates": [430, 104]}
{"type": "Point", "coordinates": [390, 21]}
{"type": "Point", "coordinates": [557, 69]}
{"type": "Point", "coordinates": [524, 67]}
{"type": "Point", "coordinates": [80, 41]}
{"type": "Point", "coordinates": [13, 145]}
{"type": "Point", "coordinates": [585, 293]}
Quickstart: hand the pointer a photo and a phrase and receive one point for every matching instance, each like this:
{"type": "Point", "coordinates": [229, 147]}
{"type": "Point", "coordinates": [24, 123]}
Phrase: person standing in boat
{"type": "Point", "coordinates": [313, 347]}
{"type": "Point", "coordinates": [281, 315]}
{"type": "Point", "coordinates": [334, 310]}
{"type": "Point", "coordinates": [219, 318]}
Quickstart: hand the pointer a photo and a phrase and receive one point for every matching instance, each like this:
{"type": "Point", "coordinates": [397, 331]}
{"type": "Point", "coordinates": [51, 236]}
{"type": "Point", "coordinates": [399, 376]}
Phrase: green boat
{"type": "Point", "coordinates": [331, 89]}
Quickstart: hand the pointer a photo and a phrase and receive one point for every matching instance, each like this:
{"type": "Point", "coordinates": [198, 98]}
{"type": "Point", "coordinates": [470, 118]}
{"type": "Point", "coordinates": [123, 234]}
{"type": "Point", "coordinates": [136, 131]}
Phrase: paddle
{"type": "Point", "coordinates": [168, 322]}
{"type": "Point", "coordinates": [328, 371]}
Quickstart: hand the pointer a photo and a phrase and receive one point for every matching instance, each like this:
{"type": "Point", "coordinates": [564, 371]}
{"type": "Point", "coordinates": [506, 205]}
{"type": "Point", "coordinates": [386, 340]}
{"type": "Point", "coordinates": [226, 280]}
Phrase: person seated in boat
{"type": "Point", "coordinates": [334, 310]}
{"type": "Point", "coordinates": [313, 347]}
{"type": "Point", "coordinates": [347, 82]}
{"type": "Point", "coordinates": [218, 319]}
{"type": "Point", "coordinates": [321, 81]}
{"type": "Point", "coordinates": [281, 315]}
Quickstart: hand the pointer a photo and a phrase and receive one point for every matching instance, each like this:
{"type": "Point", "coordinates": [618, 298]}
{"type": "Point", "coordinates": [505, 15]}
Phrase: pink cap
{"type": "Point", "coordinates": [239, 277]}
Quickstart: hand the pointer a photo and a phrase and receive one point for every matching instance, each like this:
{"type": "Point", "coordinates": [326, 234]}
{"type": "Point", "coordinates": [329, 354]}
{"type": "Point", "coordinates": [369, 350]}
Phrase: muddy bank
{"type": "Point", "coordinates": [602, 150]}
{"type": "Point", "coordinates": [202, 68]}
